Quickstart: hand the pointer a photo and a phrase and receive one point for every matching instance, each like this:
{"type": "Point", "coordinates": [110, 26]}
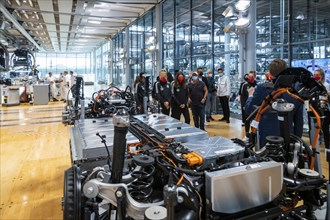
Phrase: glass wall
{"type": "Point", "coordinates": [195, 36]}
{"type": "Point", "coordinates": [118, 58]}
{"type": "Point", "coordinates": [138, 51]}
{"type": "Point", "coordinates": [309, 41]}
{"type": "Point", "coordinates": [59, 62]}
{"type": "Point", "coordinates": [192, 35]}
{"type": "Point", "coordinates": [168, 34]}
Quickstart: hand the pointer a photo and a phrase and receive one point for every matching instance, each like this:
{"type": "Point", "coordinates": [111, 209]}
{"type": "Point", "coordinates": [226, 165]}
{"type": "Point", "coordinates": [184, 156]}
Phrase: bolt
{"type": "Point", "coordinates": [119, 194]}
{"type": "Point", "coordinates": [90, 190]}
{"type": "Point", "coordinates": [180, 199]}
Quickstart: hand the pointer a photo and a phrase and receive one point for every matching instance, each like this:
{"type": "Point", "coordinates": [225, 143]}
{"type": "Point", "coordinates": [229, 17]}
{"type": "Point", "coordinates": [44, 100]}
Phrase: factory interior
{"type": "Point", "coordinates": [164, 109]}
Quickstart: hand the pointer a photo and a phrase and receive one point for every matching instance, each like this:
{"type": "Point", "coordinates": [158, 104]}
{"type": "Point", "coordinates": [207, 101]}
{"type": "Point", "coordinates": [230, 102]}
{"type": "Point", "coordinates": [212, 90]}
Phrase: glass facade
{"type": "Point", "coordinates": [59, 62]}
{"type": "Point", "coordinates": [135, 53]}
{"type": "Point", "coordinates": [118, 59]}
{"type": "Point", "coordinates": [192, 34]}
{"type": "Point", "coordinates": [308, 42]}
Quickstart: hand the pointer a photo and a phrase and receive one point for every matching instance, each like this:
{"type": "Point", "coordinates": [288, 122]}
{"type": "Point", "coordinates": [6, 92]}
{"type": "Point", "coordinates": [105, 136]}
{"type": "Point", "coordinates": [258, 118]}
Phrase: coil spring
{"type": "Point", "coordinates": [275, 152]}
{"type": "Point", "coordinates": [141, 187]}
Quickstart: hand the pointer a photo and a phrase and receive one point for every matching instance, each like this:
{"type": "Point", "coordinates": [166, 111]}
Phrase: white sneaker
{"type": "Point", "coordinates": [245, 139]}
{"type": "Point", "coordinates": [205, 123]}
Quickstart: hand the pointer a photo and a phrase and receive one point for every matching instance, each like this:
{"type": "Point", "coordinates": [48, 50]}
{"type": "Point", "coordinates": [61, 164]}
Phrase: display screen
{"type": "Point", "coordinates": [314, 64]}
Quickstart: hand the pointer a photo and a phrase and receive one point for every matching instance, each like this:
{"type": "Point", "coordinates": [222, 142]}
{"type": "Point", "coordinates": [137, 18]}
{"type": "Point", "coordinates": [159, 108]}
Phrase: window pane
{"type": "Point", "coordinates": [182, 6]}
{"type": "Point", "coordinates": [168, 12]}
{"type": "Point", "coordinates": [183, 43]}
{"type": "Point", "coordinates": [201, 38]}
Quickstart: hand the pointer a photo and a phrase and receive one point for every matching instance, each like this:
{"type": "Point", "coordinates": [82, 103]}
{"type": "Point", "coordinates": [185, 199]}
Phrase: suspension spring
{"type": "Point", "coordinates": [141, 187]}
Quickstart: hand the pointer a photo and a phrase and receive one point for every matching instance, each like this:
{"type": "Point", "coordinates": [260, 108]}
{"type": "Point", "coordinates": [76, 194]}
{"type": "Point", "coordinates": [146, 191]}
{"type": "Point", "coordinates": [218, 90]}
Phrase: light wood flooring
{"type": "Point", "coordinates": [35, 152]}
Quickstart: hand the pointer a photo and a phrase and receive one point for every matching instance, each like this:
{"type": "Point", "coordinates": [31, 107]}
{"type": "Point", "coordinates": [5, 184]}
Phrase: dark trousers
{"type": "Point", "coordinates": [325, 129]}
{"type": "Point", "coordinates": [177, 111]}
{"type": "Point", "coordinates": [224, 101]}
{"type": "Point", "coordinates": [165, 111]}
{"type": "Point", "coordinates": [198, 112]}
{"type": "Point", "coordinates": [244, 117]}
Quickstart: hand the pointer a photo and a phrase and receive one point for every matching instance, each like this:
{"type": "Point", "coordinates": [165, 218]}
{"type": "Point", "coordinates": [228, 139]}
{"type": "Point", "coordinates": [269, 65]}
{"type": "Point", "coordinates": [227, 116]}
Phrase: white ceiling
{"type": "Point", "coordinates": [66, 25]}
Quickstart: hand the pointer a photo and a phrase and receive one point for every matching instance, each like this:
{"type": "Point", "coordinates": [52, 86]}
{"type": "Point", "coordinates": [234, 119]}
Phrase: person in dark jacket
{"type": "Point", "coordinates": [243, 94]}
{"type": "Point", "coordinates": [180, 94]}
{"type": "Point", "coordinates": [210, 97]}
{"type": "Point", "coordinates": [164, 92]}
{"type": "Point", "coordinates": [197, 98]}
{"type": "Point", "coordinates": [153, 92]}
{"type": "Point", "coordinates": [139, 92]}
{"type": "Point", "coordinates": [201, 77]}
{"type": "Point", "coordinates": [269, 124]}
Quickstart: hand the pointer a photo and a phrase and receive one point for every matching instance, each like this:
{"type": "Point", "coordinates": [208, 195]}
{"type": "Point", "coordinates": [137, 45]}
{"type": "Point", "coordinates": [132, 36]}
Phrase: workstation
{"type": "Point", "coordinates": [90, 90]}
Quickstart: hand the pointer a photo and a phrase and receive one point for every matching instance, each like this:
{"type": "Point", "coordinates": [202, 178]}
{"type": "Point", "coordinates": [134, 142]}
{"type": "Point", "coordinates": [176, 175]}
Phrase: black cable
{"type": "Point", "coordinates": [106, 147]}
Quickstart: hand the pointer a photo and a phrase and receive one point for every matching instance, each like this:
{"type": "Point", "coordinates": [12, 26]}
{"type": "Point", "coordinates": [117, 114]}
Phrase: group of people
{"type": "Point", "coordinates": [199, 92]}
{"type": "Point", "coordinates": [65, 81]}
{"type": "Point", "coordinates": [196, 92]}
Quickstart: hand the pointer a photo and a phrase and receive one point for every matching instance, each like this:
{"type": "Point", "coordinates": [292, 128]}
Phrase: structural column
{"type": "Point", "coordinates": [127, 69]}
{"type": "Point", "coordinates": [159, 40]}
{"type": "Point", "coordinates": [251, 39]}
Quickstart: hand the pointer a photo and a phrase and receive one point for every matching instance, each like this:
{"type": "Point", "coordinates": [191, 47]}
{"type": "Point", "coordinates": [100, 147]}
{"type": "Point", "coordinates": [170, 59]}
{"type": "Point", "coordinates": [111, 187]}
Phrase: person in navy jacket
{"type": "Point", "coordinates": [269, 124]}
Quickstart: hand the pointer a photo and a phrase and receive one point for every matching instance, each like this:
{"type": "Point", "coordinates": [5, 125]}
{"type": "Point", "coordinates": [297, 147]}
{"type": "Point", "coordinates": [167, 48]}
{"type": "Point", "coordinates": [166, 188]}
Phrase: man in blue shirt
{"type": "Point", "coordinates": [269, 124]}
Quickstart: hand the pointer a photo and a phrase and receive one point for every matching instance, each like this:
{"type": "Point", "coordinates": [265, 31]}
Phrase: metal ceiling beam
{"type": "Point", "coordinates": [131, 14]}
{"type": "Point", "coordinates": [19, 27]}
{"type": "Point", "coordinates": [132, 2]}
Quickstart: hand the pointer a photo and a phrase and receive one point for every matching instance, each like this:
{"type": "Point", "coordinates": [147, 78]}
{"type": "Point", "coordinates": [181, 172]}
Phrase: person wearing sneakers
{"type": "Point", "coordinates": [223, 92]}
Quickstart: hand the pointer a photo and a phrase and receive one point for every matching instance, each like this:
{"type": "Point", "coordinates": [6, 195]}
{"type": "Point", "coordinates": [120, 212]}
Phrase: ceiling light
{"type": "Point", "coordinates": [30, 3]}
{"type": "Point", "coordinates": [242, 5]}
{"type": "Point", "coordinates": [94, 22]}
{"type": "Point", "coordinates": [25, 14]}
{"type": "Point", "coordinates": [18, 2]}
{"type": "Point", "coordinates": [242, 23]}
{"type": "Point", "coordinates": [9, 2]}
{"type": "Point", "coordinates": [102, 5]}
{"type": "Point", "coordinates": [18, 14]}
{"type": "Point", "coordinates": [300, 16]}
{"type": "Point", "coordinates": [82, 40]}
{"type": "Point", "coordinates": [37, 16]}
{"type": "Point", "coordinates": [228, 12]}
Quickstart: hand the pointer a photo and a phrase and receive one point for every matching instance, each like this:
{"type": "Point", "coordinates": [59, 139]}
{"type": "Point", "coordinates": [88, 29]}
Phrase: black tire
{"type": "Point", "coordinates": [72, 201]}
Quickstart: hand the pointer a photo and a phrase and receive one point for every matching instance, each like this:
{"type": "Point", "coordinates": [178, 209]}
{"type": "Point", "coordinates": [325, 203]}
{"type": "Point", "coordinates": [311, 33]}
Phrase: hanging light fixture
{"type": "Point", "coordinates": [242, 23]}
{"type": "Point", "coordinates": [229, 27]}
{"type": "Point", "coordinates": [239, 14]}
{"type": "Point", "coordinates": [228, 12]}
{"type": "Point", "coordinates": [242, 5]}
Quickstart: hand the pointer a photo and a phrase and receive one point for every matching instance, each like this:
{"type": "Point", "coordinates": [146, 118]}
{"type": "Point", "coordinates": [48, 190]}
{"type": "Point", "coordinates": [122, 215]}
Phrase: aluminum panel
{"type": "Point", "coordinates": [86, 145]}
{"type": "Point", "coordinates": [215, 148]}
{"type": "Point", "coordinates": [240, 188]}
{"type": "Point", "coordinates": [172, 128]}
